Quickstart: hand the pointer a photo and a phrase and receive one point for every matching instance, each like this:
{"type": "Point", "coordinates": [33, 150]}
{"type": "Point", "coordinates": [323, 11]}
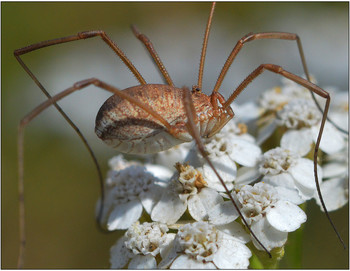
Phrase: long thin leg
{"type": "Point", "coordinates": [259, 36]}
{"type": "Point", "coordinates": [85, 35]}
{"type": "Point", "coordinates": [82, 35]}
{"type": "Point", "coordinates": [312, 87]}
{"type": "Point", "coordinates": [269, 35]}
{"type": "Point", "coordinates": [149, 46]}
{"type": "Point", "coordinates": [204, 47]}
{"type": "Point", "coordinates": [36, 112]}
{"type": "Point", "coordinates": [191, 125]}
{"type": "Point", "coordinates": [76, 129]}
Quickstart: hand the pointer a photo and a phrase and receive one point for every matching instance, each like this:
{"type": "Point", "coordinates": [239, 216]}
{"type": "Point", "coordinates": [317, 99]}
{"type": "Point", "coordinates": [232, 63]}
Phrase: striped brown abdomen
{"type": "Point", "coordinates": [130, 129]}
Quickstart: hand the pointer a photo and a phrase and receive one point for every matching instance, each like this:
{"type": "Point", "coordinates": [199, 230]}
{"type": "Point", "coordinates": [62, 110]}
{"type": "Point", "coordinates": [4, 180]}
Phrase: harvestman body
{"type": "Point", "coordinates": [129, 129]}
{"type": "Point", "coordinates": [138, 120]}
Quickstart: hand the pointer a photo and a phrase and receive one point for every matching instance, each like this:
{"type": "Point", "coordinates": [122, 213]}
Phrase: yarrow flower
{"type": "Point", "coordinates": [273, 100]}
{"type": "Point", "coordinates": [187, 190]}
{"type": "Point", "coordinates": [292, 175]}
{"type": "Point", "coordinates": [140, 245]}
{"type": "Point", "coordinates": [303, 119]}
{"type": "Point", "coordinates": [201, 246]}
{"type": "Point", "coordinates": [269, 216]}
{"type": "Point", "coordinates": [191, 220]}
{"type": "Point", "coordinates": [129, 190]}
{"type": "Point", "coordinates": [230, 146]}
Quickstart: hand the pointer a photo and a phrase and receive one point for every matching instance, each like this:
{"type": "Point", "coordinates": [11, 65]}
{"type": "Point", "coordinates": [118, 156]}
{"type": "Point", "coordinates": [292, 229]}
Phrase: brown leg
{"type": "Point", "coordinates": [191, 124]}
{"type": "Point", "coordinates": [149, 46]}
{"type": "Point", "coordinates": [84, 35]}
{"type": "Point", "coordinates": [312, 87]}
{"type": "Point", "coordinates": [258, 36]}
{"type": "Point", "coordinates": [269, 35]}
{"type": "Point", "coordinates": [204, 47]}
{"type": "Point", "coordinates": [76, 129]}
{"type": "Point", "coordinates": [34, 113]}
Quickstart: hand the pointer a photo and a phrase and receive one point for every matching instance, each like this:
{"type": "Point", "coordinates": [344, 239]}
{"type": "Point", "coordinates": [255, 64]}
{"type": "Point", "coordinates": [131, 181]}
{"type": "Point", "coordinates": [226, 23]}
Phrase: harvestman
{"type": "Point", "coordinates": [137, 119]}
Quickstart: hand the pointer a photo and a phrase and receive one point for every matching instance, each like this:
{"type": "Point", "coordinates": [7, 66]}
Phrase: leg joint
{"type": "Point", "coordinates": [90, 34]}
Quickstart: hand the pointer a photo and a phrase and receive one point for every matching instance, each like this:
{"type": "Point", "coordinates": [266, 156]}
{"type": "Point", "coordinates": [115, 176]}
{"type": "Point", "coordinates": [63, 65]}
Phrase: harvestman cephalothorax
{"type": "Point", "coordinates": [137, 119]}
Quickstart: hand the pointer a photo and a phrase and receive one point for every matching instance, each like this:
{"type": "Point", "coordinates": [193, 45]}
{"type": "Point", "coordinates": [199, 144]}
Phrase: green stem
{"type": "Point", "coordinates": [294, 246]}
{"type": "Point", "coordinates": [261, 259]}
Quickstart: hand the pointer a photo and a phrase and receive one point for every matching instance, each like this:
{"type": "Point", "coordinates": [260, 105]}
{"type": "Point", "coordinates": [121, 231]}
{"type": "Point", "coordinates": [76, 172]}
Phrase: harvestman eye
{"type": "Point", "coordinates": [137, 120]}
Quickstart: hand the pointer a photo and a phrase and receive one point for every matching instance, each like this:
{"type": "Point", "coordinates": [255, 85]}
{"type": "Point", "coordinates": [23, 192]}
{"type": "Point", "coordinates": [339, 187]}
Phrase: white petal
{"type": "Point", "coordinates": [340, 118]}
{"type": "Point", "coordinates": [283, 179]}
{"type": "Point", "coordinates": [231, 254]}
{"type": "Point", "coordinates": [222, 213]}
{"type": "Point", "coordinates": [185, 262]}
{"type": "Point", "coordinates": [227, 170]}
{"type": "Point", "coordinates": [176, 154]}
{"type": "Point", "coordinates": [124, 215]}
{"type": "Point", "coordinates": [246, 175]}
{"type": "Point", "coordinates": [142, 262]}
{"type": "Point", "coordinates": [196, 208]}
{"type": "Point", "coordinates": [298, 141]}
{"type": "Point", "coordinates": [286, 216]}
{"type": "Point", "coordinates": [266, 131]}
{"type": "Point", "coordinates": [303, 174]}
{"type": "Point", "coordinates": [159, 171]}
{"type": "Point", "coordinates": [267, 235]}
{"type": "Point", "coordinates": [201, 203]}
{"type": "Point", "coordinates": [289, 194]}
{"type": "Point", "coordinates": [169, 209]}
{"type": "Point", "coordinates": [334, 169]}
{"type": "Point", "coordinates": [169, 253]}
{"type": "Point", "coordinates": [120, 255]}
{"type": "Point", "coordinates": [235, 230]}
{"type": "Point", "coordinates": [151, 197]}
{"type": "Point", "coordinates": [331, 141]}
{"type": "Point", "coordinates": [244, 152]}
{"type": "Point", "coordinates": [167, 245]}
{"type": "Point", "coordinates": [246, 137]}
{"type": "Point", "coordinates": [335, 194]}
{"type": "Point", "coordinates": [247, 111]}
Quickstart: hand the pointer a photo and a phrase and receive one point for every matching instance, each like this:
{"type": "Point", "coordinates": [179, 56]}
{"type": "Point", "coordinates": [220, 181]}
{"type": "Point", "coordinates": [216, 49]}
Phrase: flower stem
{"type": "Point", "coordinates": [261, 259]}
{"type": "Point", "coordinates": [294, 246]}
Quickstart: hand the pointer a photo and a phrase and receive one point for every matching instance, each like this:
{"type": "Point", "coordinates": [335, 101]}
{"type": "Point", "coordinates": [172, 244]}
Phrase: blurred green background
{"type": "Point", "coordinates": [60, 180]}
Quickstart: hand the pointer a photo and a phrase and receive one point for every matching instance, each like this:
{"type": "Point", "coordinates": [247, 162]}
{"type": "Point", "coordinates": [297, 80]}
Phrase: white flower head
{"type": "Point", "coordinates": [289, 173]}
{"type": "Point", "coordinates": [274, 99]}
{"type": "Point", "coordinates": [129, 190]}
{"type": "Point", "coordinates": [292, 175]}
{"type": "Point", "coordinates": [303, 119]}
{"type": "Point", "coordinates": [140, 245]}
{"type": "Point", "coordinates": [269, 216]}
{"type": "Point", "coordinates": [298, 114]}
{"type": "Point", "coordinates": [188, 190]}
{"type": "Point", "coordinates": [295, 109]}
{"type": "Point", "coordinates": [230, 146]}
{"type": "Point", "coordinates": [146, 238]}
{"type": "Point", "coordinates": [277, 161]}
{"type": "Point", "coordinates": [201, 246]}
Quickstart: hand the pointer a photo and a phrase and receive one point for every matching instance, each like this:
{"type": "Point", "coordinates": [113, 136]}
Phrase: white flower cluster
{"type": "Point", "coordinates": [188, 219]}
